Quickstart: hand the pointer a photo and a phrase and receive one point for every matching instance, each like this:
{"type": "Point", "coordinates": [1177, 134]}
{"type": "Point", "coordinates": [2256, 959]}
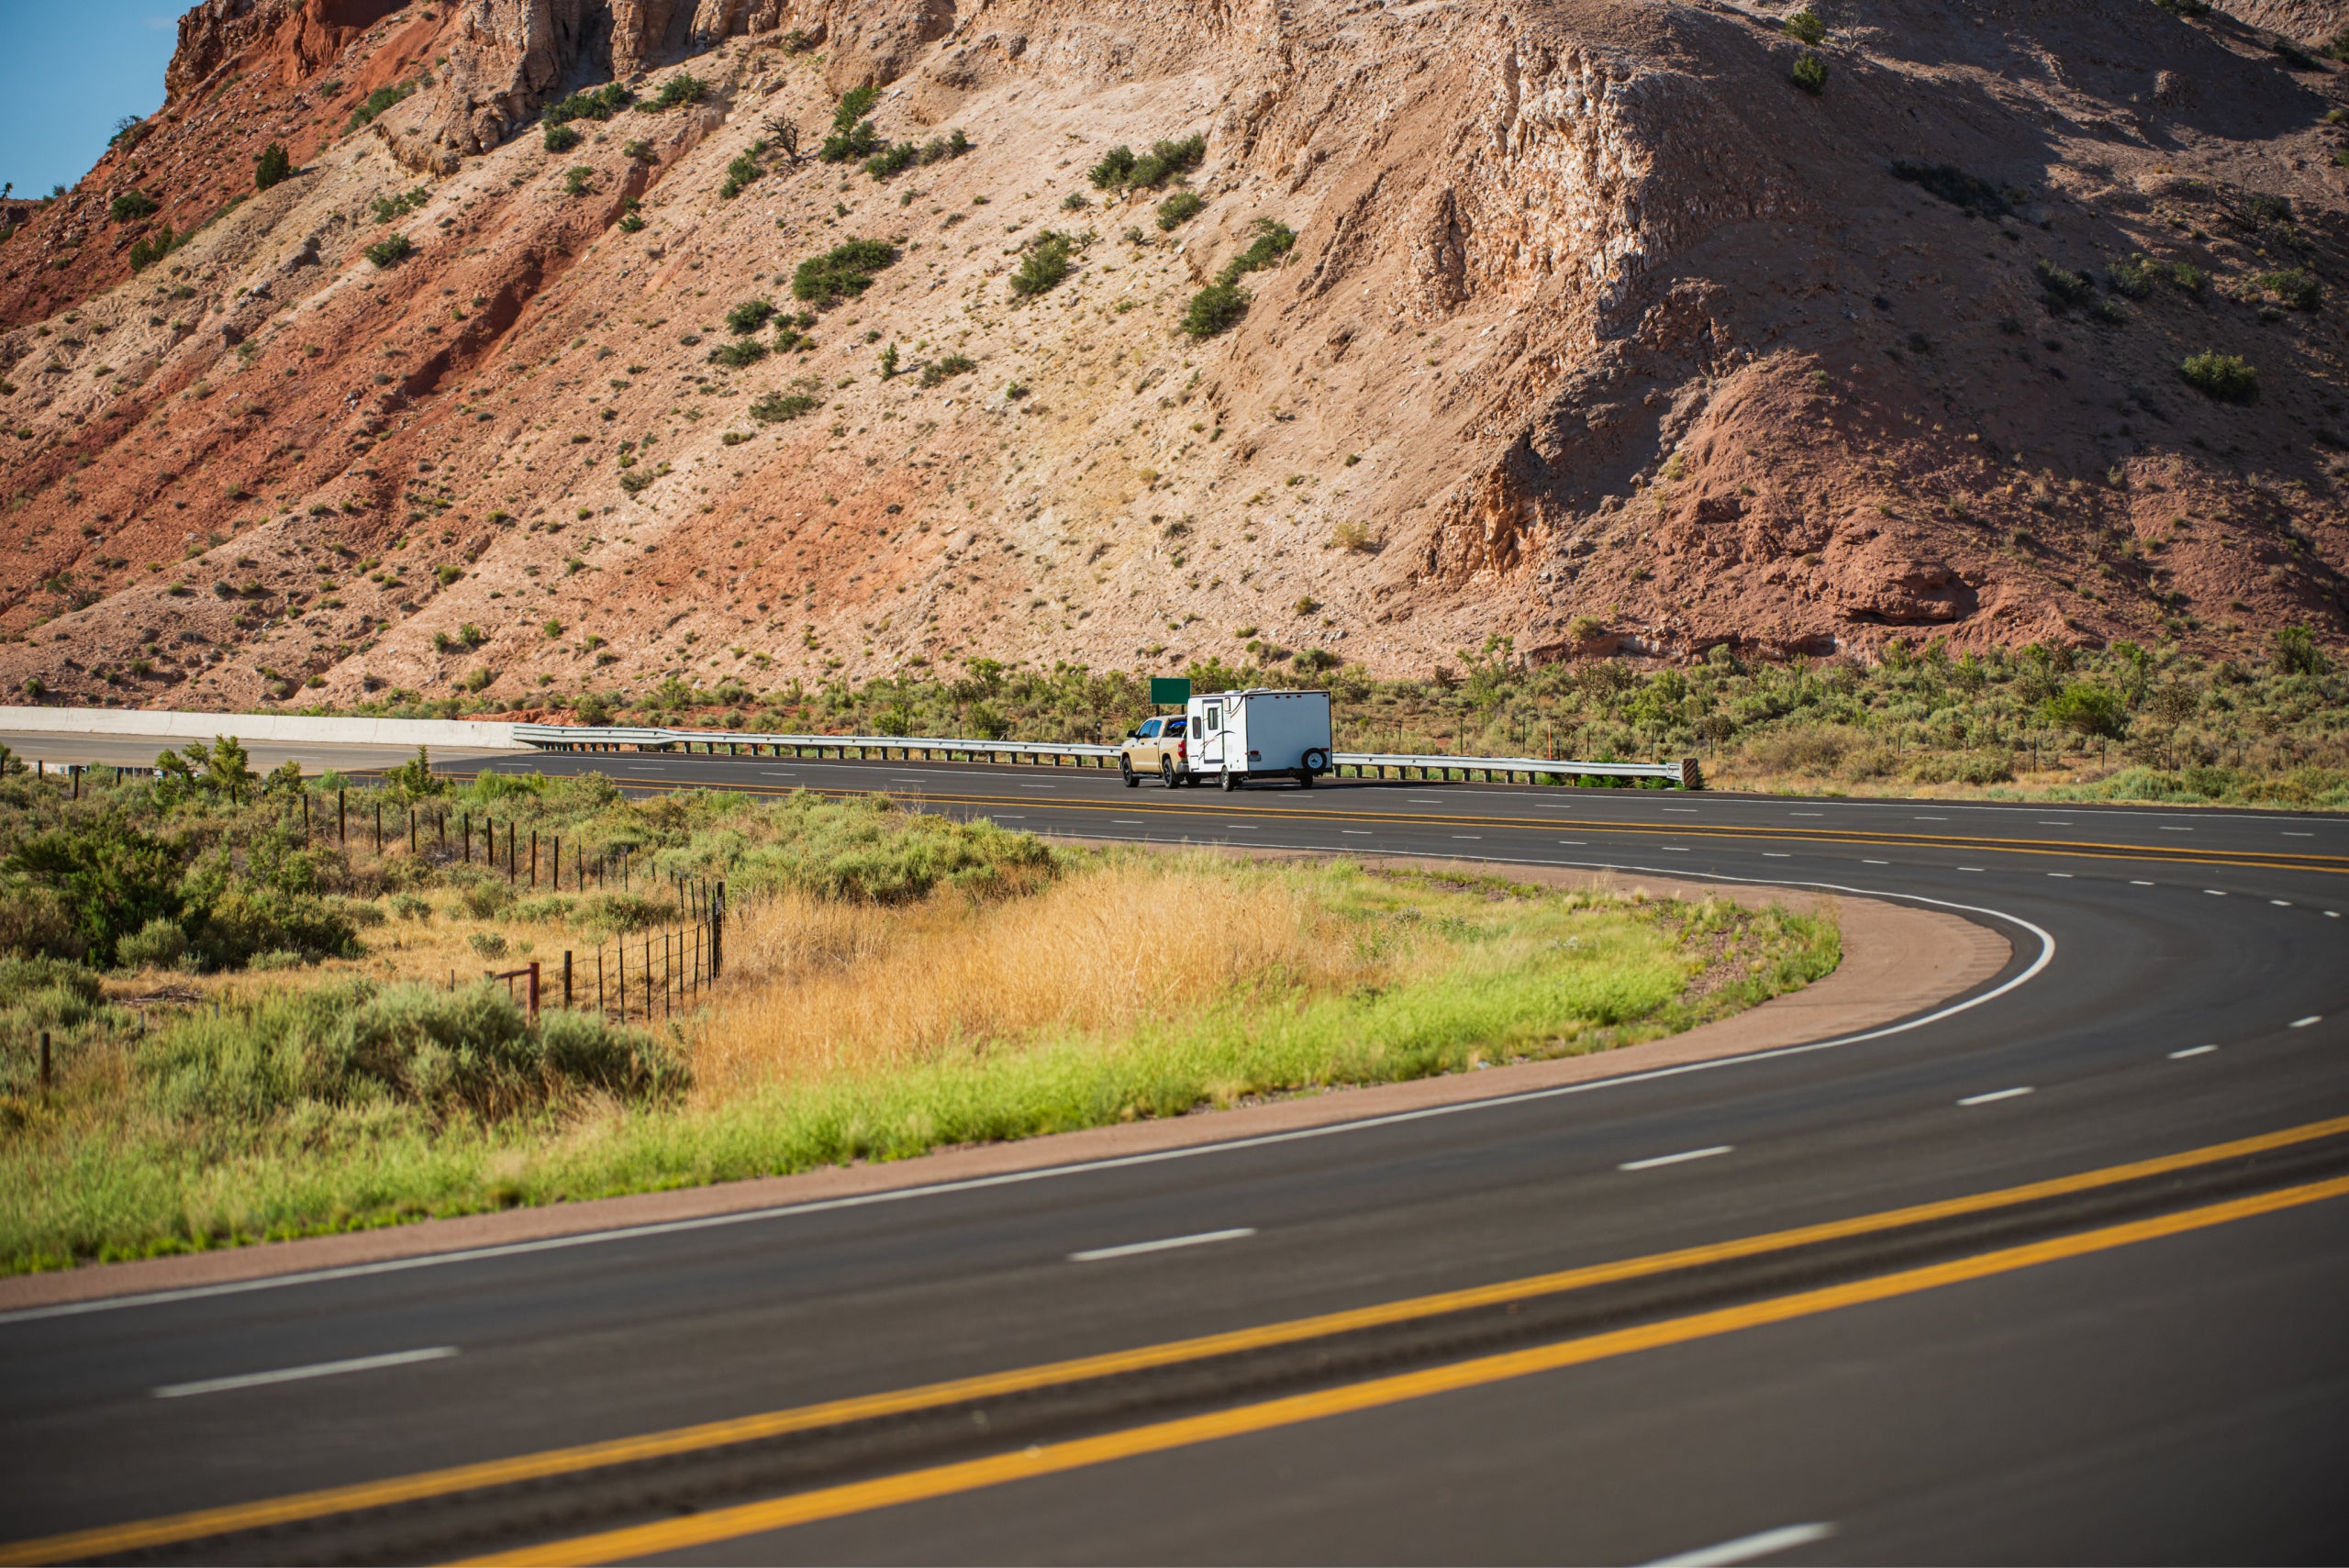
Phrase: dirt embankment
{"type": "Point", "coordinates": [1598, 333]}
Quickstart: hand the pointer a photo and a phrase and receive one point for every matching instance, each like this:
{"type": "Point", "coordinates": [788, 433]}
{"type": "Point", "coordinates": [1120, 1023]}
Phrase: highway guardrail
{"type": "Point", "coordinates": [1682, 774]}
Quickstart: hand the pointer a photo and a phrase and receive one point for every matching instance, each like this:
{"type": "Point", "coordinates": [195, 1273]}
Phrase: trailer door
{"type": "Point", "coordinates": [1215, 720]}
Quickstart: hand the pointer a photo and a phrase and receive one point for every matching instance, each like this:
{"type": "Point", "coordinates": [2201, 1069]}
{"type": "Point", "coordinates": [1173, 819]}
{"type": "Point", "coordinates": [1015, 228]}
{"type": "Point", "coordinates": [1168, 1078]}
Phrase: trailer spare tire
{"type": "Point", "coordinates": [1317, 760]}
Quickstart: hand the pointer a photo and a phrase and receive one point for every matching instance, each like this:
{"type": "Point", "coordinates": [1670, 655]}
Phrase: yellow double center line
{"type": "Point", "coordinates": [200, 1524]}
{"type": "Point", "coordinates": [2065, 849]}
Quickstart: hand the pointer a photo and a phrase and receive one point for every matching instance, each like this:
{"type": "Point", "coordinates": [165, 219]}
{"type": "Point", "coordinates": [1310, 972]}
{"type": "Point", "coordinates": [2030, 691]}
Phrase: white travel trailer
{"type": "Point", "coordinates": [1239, 736]}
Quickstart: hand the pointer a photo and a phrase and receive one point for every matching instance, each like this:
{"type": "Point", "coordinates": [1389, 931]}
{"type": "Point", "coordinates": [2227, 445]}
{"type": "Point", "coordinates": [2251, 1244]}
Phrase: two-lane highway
{"type": "Point", "coordinates": [2142, 1365]}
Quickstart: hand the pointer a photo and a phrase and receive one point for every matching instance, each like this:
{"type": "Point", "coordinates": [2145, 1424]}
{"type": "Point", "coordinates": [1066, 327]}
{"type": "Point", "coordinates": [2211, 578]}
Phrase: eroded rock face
{"type": "Point", "coordinates": [1596, 335]}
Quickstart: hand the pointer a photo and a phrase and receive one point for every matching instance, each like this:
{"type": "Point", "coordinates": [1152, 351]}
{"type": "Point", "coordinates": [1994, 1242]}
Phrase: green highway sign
{"type": "Point", "coordinates": [1166, 689]}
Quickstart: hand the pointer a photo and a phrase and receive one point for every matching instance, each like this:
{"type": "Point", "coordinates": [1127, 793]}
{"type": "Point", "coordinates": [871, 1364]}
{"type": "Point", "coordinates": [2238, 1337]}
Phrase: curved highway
{"type": "Point", "coordinates": [2053, 1273]}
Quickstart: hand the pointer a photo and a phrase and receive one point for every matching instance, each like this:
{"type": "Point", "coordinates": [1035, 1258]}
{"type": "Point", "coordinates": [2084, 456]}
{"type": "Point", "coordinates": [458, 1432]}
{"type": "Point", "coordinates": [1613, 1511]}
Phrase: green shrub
{"type": "Point", "coordinates": [740, 353]}
{"type": "Point", "coordinates": [852, 135]}
{"type": "Point", "coordinates": [273, 166]}
{"type": "Point", "coordinates": [561, 138]}
{"type": "Point", "coordinates": [2060, 288]}
{"type": "Point", "coordinates": [2189, 277]}
{"type": "Point", "coordinates": [744, 169]}
{"type": "Point", "coordinates": [575, 178]}
{"type": "Point", "coordinates": [391, 250]}
{"type": "Point", "coordinates": [1804, 25]}
{"type": "Point", "coordinates": [1044, 265]}
{"type": "Point", "coordinates": [1810, 73]}
{"type": "Point", "coordinates": [1180, 208]}
{"type": "Point", "coordinates": [1111, 173]}
{"type": "Point", "coordinates": [892, 160]}
{"type": "Point", "coordinates": [599, 104]}
{"type": "Point", "coordinates": [2293, 287]}
{"type": "Point", "coordinates": [869, 851]}
{"type": "Point", "coordinates": [132, 205]}
{"type": "Point", "coordinates": [750, 315]}
{"type": "Point", "coordinates": [1214, 308]}
{"type": "Point", "coordinates": [2134, 277]}
{"type": "Point", "coordinates": [1273, 242]}
{"type": "Point", "coordinates": [1164, 161]}
{"type": "Point", "coordinates": [2226, 377]}
{"type": "Point", "coordinates": [939, 148]}
{"type": "Point", "coordinates": [157, 944]}
{"type": "Point", "coordinates": [144, 254]}
{"type": "Point", "coordinates": [940, 372]}
{"type": "Point", "coordinates": [450, 1053]}
{"type": "Point", "coordinates": [2088, 710]}
{"type": "Point", "coordinates": [845, 270]}
{"type": "Point", "coordinates": [776, 406]}
{"type": "Point", "coordinates": [679, 89]}
{"type": "Point", "coordinates": [391, 209]}
{"type": "Point", "coordinates": [376, 102]}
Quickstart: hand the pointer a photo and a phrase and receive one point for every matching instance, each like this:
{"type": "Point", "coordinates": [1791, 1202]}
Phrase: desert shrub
{"type": "Point", "coordinates": [1273, 242]}
{"type": "Point", "coordinates": [2061, 288]}
{"type": "Point", "coordinates": [597, 103]}
{"type": "Point", "coordinates": [845, 271]}
{"type": "Point", "coordinates": [892, 160]}
{"type": "Point", "coordinates": [939, 148]}
{"type": "Point", "coordinates": [1804, 25]}
{"type": "Point", "coordinates": [144, 254]}
{"type": "Point", "coordinates": [1810, 73]}
{"type": "Point", "coordinates": [740, 353]}
{"type": "Point", "coordinates": [2227, 377]}
{"type": "Point", "coordinates": [744, 169]}
{"type": "Point", "coordinates": [449, 1054]}
{"type": "Point", "coordinates": [273, 166]}
{"type": "Point", "coordinates": [868, 851]}
{"type": "Point", "coordinates": [2189, 277]}
{"type": "Point", "coordinates": [750, 315]}
{"type": "Point", "coordinates": [487, 944]}
{"type": "Point", "coordinates": [391, 209]}
{"type": "Point", "coordinates": [391, 250]}
{"type": "Point", "coordinates": [375, 103]}
{"type": "Point", "coordinates": [776, 406]}
{"type": "Point", "coordinates": [679, 89]}
{"type": "Point", "coordinates": [2293, 287]}
{"type": "Point", "coordinates": [2134, 277]}
{"type": "Point", "coordinates": [1986, 767]}
{"type": "Point", "coordinates": [1044, 265]}
{"type": "Point", "coordinates": [852, 135]}
{"type": "Point", "coordinates": [157, 944]}
{"type": "Point", "coordinates": [1804, 749]}
{"type": "Point", "coordinates": [2087, 709]}
{"type": "Point", "coordinates": [1164, 161]}
{"type": "Point", "coordinates": [938, 372]}
{"type": "Point", "coordinates": [484, 899]}
{"type": "Point", "coordinates": [1180, 208]}
{"type": "Point", "coordinates": [408, 906]}
{"type": "Point", "coordinates": [1110, 173]}
{"type": "Point", "coordinates": [1215, 308]}
{"type": "Point", "coordinates": [575, 178]}
{"type": "Point", "coordinates": [561, 138]}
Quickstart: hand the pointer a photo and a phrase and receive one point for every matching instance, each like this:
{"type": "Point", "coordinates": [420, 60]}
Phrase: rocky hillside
{"type": "Point", "coordinates": [590, 343]}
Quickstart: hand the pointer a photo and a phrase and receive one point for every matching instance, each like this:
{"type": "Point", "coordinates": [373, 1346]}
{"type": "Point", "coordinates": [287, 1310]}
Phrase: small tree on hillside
{"type": "Point", "coordinates": [274, 165]}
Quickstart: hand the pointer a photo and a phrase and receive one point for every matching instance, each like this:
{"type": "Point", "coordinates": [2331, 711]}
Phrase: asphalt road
{"type": "Point", "coordinates": [2178, 982]}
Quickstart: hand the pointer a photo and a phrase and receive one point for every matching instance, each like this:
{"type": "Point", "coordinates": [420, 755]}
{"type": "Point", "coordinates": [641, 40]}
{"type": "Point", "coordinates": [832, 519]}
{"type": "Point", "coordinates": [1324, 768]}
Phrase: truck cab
{"type": "Point", "coordinates": [1156, 746]}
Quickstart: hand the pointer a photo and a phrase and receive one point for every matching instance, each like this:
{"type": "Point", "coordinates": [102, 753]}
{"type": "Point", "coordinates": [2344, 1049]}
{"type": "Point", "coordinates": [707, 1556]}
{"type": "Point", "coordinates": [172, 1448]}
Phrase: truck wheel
{"type": "Point", "coordinates": [1231, 780]}
{"type": "Point", "coordinates": [1305, 778]}
{"type": "Point", "coordinates": [1166, 772]}
{"type": "Point", "coordinates": [1126, 771]}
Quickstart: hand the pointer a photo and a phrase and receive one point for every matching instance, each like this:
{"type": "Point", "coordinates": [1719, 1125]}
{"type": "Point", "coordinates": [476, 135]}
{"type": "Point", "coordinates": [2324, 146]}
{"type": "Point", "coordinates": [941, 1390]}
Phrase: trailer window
{"type": "Point", "coordinates": [1215, 718]}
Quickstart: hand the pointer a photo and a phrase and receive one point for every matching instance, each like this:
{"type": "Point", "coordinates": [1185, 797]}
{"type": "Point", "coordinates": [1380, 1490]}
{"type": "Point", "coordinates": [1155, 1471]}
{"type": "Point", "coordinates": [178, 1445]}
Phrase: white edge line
{"type": "Point", "coordinates": [1136, 1248]}
{"type": "Point", "coordinates": [299, 1373]}
{"type": "Point", "coordinates": [1014, 1178]}
{"type": "Point", "coordinates": [1746, 1548]}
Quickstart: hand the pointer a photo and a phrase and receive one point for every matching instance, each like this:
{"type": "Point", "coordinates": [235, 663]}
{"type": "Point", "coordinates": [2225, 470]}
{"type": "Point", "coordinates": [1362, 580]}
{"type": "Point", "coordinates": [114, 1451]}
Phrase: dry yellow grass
{"type": "Point", "coordinates": [820, 990]}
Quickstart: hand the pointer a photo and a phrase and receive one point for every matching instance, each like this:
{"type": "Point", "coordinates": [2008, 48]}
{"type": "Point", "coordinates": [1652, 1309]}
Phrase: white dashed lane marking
{"type": "Point", "coordinates": [1994, 1095]}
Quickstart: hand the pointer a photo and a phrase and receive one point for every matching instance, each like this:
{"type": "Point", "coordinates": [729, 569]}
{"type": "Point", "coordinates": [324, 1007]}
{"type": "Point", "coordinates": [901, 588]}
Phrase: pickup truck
{"type": "Point", "coordinates": [1156, 746]}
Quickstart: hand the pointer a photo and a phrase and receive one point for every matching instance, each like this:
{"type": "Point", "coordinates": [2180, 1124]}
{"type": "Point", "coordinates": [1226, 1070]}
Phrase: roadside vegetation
{"type": "Point", "coordinates": [257, 1031]}
{"type": "Point", "coordinates": [2128, 723]}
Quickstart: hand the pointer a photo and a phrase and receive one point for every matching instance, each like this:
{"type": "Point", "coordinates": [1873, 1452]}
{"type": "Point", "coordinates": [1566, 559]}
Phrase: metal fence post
{"type": "Point", "coordinates": [342, 816]}
{"type": "Point", "coordinates": [566, 980]}
{"type": "Point", "coordinates": [717, 930]}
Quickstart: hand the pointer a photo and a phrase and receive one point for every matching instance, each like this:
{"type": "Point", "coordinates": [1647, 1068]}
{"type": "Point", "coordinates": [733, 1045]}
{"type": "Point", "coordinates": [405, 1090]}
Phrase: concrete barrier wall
{"type": "Point", "coordinates": [282, 728]}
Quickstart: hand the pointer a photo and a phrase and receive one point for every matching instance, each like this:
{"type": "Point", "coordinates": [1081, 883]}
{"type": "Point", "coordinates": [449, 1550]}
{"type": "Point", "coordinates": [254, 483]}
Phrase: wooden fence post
{"type": "Point", "coordinates": [566, 980]}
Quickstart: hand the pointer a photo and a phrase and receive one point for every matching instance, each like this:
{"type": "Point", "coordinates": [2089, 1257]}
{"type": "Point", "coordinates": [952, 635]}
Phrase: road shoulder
{"type": "Point", "coordinates": [1898, 961]}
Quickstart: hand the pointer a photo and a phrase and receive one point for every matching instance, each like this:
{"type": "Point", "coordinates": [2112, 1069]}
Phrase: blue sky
{"type": "Point", "coordinates": [68, 73]}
